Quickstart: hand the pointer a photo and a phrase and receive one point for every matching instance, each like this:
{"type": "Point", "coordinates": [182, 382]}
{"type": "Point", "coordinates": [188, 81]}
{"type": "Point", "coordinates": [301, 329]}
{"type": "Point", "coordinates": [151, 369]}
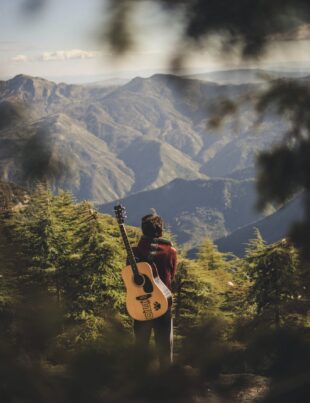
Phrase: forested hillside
{"type": "Point", "coordinates": [65, 326]}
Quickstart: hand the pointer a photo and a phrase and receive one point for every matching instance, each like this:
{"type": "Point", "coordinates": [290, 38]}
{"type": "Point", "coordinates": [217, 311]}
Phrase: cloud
{"type": "Point", "coordinates": [301, 33]}
{"type": "Point", "coordinates": [60, 55]}
{"type": "Point", "coordinates": [20, 59]}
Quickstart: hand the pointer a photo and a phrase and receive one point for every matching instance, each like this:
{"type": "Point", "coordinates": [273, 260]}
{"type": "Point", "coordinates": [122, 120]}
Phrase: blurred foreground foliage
{"type": "Point", "coordinates": [65, 333]}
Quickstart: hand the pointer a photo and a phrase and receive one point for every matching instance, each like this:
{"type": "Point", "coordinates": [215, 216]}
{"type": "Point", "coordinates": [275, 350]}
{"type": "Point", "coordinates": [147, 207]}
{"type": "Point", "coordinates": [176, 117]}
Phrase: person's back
{"type": "Point", "coordinates": [161, 255]}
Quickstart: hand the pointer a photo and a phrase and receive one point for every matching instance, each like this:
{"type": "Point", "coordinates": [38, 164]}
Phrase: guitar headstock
{"type": "Point", "coordinates": [120, 213]}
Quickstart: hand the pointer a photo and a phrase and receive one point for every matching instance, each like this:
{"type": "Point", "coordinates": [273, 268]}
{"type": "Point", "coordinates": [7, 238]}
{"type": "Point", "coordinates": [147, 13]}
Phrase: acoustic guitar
{"type": "Point", "coordinates": [147, 296]}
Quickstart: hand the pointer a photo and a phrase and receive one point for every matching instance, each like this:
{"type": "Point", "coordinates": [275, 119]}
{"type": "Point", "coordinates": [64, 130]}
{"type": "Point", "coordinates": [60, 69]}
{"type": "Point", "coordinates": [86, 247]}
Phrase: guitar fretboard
{"type": "Point", "coordinates": [130, 255]}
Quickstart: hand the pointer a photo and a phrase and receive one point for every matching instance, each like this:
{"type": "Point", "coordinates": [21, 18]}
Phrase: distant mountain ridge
{"type": "Point", "coordinates": [272, 228]}
{"type": "Point", "coordinates": [247, 75]}
{"type": "Point", "coordinates": [138, 138]}
{"type": "Point", "coordinates": [194, 209]}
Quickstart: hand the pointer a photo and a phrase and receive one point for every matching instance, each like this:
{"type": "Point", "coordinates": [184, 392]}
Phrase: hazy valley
{"type": "Point", "coordinates": [149, 142]}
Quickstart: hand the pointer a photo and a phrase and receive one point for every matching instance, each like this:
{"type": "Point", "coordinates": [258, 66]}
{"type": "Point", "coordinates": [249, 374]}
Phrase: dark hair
{"type": "Point", "coordinates": [152, 225]}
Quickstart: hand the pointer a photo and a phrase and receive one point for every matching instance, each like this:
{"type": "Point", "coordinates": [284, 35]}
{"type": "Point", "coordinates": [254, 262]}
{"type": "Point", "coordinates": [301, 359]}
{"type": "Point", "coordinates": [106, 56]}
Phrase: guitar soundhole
{"type": "Point", "coordinates": [147, 286]}
{"type": "Point", "coordinates": [139, 280]}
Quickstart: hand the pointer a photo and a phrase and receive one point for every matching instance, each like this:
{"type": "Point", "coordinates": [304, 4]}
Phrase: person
{"type": "Point", "coordinates": [160, 253]}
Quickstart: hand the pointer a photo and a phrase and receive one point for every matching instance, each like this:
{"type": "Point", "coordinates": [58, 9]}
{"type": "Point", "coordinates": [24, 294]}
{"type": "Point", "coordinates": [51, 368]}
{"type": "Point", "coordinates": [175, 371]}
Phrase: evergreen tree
{"type": "Point", "coordinates": [200, 293]}
{"type": "Point", "coordinates": [210, 258]}
{"type": "Point", "coordinates": [272, 273]}
{"type": "Point", "coordinates": [29, 233]}
{"type": "Point", "coordinates": [54, 247]}
{"type": "Point", "coordinates": [91, 283]}
{"type": "Point", "coordinates": [237, 296]}
{"type": "Point", "coordinates": [222, 273]}
{"type": "Point", "coordinates": [255, 245]}
{"type": "Point", "coordinates": [64, 222]}
{"type": "Point", "coordinates": [191, 295]}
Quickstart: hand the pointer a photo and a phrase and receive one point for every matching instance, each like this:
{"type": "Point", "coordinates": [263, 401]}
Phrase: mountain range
{"type": "Point", "coordinates": [148, 142]}
{"type": "Point", "coordinates": [272, 228]}
{"type": "Point", "coordinates": [248, 75]}
{"type": "Point", "coordinates": [194, 209]}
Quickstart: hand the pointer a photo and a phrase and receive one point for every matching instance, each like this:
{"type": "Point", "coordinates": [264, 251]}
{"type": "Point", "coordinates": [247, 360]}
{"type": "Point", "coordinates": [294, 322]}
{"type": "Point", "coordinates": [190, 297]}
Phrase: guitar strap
{"type": "Point", "coordinates": [152, 254]}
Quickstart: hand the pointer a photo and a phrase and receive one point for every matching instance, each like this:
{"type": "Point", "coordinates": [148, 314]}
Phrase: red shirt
{"type": "Point", "coordinates": [160, 252]}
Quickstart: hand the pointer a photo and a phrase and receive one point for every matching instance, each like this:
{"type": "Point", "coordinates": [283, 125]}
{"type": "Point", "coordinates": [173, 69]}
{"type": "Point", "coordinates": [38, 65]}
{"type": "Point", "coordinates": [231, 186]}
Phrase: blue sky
{"type": "Point", "coordinates": [60, 42]}
{"type": "Point", "coordinates": [59, 21]}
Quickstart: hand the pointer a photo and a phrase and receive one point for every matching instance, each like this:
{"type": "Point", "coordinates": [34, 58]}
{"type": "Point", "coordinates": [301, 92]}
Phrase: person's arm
{"type": "Point", "coordinates": [173, 262]}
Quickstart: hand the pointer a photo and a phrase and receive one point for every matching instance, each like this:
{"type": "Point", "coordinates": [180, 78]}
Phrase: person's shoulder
{"type": "Point", "coordinates": [173, 250]}
{"type": "Point", "coordinates": [167, 244]}
{"type": "Point", "coordinates": [163, 241]}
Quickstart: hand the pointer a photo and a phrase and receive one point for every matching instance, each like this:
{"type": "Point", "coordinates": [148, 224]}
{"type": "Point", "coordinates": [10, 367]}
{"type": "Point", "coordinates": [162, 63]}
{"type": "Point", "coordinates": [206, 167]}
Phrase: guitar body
{"type": "Point", "coordinates": [147, 301]}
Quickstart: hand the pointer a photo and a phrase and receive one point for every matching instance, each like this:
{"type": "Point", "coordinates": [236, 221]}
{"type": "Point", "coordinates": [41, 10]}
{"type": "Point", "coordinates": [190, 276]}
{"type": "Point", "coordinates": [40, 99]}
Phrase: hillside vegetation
{"type": "Point", "coordinates": [65, 327]}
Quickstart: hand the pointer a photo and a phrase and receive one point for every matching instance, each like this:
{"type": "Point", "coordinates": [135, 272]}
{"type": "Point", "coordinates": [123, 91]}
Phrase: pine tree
{"type": "Point", "coordinates": [64, 223]}
{"type": "Point", "coordinates": [272, 273]}
{"type": "Point", "coordinates": [192, 297]}
{"type": "Point", "coordinates": [237, 297]}
{"type": "Point", "coordinates": [210, 258]}
{"type": "Point", "coordinates": [56, 248]}
{"type": "Point", "coordinates": [220, 271]}
{"type": "Point", "coordinates": [92, 285]}
{"type": "Point", "coordinates": [29, 233]}
{"type": "Point", "coordinates": [255, 245]}
{"type": "Point", "coordinates": [6, 286]}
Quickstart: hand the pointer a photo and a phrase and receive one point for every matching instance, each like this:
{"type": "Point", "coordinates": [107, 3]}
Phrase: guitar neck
{"type": "Point", "coordinates": [130, 254]}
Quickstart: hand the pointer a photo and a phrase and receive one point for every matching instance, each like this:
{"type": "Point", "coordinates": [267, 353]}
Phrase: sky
{"type": "Point", "coordinates": [60, 42]}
